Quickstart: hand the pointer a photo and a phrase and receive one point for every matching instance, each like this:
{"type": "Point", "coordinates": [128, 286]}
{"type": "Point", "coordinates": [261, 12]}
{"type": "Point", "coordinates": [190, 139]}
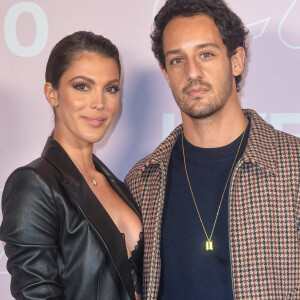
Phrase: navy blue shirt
{"type": "Point", "coordinates": [188, 270]}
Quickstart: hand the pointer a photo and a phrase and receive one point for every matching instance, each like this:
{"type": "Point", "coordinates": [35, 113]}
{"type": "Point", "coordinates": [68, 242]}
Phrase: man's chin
{"type": "Point", "coordinates": [201, 113]}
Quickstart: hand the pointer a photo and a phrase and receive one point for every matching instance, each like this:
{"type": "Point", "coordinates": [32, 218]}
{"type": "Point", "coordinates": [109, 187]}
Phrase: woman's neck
{"type": "Point", "coordinates": [80, 153]}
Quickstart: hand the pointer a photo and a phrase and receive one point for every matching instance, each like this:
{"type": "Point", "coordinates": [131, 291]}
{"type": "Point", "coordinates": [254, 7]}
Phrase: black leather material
{"type": "Point", "coordinates": [60, 241]}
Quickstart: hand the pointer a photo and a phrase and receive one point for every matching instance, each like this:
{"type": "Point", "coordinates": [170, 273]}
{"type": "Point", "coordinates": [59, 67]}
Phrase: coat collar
{"type": "Point", "coordinates": [262, 143]}
{"type": "Point", "coordinates": [90, 206]}
{"type": "Point", "coordinates": [260, 148]}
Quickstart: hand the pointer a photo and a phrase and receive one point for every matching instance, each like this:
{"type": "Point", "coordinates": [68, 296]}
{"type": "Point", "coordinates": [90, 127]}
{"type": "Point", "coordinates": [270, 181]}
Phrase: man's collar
{"type": "Point", "coordinates": [260, 149]}
{"type": "Point", "coordinates": [261, 146]}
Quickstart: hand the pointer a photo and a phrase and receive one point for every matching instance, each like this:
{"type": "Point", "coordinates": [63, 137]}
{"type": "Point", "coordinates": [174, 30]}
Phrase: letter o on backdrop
{"type": "Point", "coordinates": [10, 29]}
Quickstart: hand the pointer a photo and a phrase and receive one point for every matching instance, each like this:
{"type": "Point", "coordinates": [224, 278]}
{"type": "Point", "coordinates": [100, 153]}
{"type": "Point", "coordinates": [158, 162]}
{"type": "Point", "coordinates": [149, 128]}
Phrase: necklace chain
{"type": "Point", "coordinates": [91, 178]}
{"type": "Point", "coordinates": [209, 245]}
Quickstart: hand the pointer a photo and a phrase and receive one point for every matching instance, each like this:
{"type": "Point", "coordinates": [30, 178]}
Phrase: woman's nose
{"type": "Point", "coordinates": [97, 101]}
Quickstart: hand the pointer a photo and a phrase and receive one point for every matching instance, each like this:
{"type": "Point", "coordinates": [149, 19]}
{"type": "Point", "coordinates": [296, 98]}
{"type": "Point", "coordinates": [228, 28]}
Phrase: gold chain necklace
{"type": "Point", "coordinates": [91, 178]}
{"type": "Point", "coordinates": [209, 242]}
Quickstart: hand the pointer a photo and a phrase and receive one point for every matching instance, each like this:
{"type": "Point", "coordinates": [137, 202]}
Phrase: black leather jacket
{"type": "Point", "coordinates": [60, 242]}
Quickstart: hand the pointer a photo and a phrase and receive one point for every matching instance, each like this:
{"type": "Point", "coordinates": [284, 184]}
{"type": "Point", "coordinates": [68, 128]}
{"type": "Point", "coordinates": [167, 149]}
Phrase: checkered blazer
{"type": "Point", "coordinates": [263, 216]}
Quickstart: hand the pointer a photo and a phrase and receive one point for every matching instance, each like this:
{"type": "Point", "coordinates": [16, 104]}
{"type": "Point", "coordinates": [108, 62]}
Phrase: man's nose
{"type": "Point", "coordinates": [193, 69]}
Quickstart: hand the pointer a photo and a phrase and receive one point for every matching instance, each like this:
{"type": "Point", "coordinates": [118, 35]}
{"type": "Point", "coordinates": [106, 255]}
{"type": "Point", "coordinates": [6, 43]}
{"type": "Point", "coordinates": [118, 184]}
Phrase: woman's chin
{"type": "Point", "coordinates": [94, 138]}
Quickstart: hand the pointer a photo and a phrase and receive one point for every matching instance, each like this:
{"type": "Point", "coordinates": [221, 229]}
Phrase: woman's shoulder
{"type": "Point", "coordinates": [38, 168]}
{"type": "Point", "coordinates": [26, 199]}
{"type": "Point", "coordinates": [29, 182]}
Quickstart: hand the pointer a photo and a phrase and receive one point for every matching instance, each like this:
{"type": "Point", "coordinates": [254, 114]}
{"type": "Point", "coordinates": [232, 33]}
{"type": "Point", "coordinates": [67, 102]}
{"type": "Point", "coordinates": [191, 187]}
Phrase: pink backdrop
{"type": "Point", "coordinates": [28, 31]}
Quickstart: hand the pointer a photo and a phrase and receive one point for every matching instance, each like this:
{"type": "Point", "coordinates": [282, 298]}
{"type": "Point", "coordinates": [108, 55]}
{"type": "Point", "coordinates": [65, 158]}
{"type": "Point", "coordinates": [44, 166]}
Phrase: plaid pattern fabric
{"type": "Point", "coordinates": [264, 213]}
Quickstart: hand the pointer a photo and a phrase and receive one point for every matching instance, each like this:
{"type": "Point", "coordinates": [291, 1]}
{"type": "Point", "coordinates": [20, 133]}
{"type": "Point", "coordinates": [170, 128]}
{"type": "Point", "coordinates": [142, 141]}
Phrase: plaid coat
{"type": "Point", "coordinates": [264, 219]}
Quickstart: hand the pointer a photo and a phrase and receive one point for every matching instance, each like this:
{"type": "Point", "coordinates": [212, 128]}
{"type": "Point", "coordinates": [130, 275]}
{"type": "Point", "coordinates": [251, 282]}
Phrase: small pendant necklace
{"type": "Point", "coordinates": [209, 243]}
{"type": "Point", "coordinates": [91, 178]}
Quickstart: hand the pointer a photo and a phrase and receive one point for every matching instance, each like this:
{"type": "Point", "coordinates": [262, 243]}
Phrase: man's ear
{"type": "Point", "coordinates": [238, 61]}
{"type": "Point", "coordinates": [164, 71]}
{"type": "Point", "coordinates": [51, 94]}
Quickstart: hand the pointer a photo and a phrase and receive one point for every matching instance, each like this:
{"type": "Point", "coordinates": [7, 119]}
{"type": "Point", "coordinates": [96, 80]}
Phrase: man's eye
{"type": "Point", "coordinates": [81, 87]}
{"type": "Point", "coordinates": [176, 61]}
{"type": "Point", "coordinates": [112, 89]}
{"type": "Point", "coordinates": [206, 55]}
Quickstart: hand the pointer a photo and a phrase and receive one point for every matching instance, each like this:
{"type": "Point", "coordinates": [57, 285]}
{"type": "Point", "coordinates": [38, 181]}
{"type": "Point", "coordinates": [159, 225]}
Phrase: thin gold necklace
{"type": "Point", "coordinates": [209, 242]}
{"type": "Point", "coordinates": [92, 179]}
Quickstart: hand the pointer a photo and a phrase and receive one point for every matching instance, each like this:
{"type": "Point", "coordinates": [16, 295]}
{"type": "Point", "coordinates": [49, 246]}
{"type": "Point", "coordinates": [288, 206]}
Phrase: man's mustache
{"type": "Point", "coordinates": [197, 82]}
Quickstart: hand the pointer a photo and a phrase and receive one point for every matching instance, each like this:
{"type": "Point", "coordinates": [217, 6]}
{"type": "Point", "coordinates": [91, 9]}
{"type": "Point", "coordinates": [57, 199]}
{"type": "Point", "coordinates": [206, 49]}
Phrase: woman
{"type": "Point", "coordinates": [71, 228]}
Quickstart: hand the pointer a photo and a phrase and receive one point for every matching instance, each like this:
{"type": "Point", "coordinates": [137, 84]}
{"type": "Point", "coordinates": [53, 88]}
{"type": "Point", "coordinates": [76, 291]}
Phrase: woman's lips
{"type": "Point", "coordinates": [94, 121]}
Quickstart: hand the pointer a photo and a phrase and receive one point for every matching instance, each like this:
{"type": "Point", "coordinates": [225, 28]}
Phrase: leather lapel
{"type": "Point", "coordinates": [92, 209]}
{"type": "Point", "coordinates": [117, 185]}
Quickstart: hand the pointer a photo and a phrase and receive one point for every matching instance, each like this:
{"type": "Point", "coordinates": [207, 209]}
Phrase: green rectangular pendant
{"type": "Point", "coordinates": [209, 246]}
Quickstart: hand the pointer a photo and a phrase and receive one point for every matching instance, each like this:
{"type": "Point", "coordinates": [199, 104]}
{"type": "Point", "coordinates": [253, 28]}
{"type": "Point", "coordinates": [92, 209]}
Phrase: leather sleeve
{"type": "Point", "coordinates": [30, 232]}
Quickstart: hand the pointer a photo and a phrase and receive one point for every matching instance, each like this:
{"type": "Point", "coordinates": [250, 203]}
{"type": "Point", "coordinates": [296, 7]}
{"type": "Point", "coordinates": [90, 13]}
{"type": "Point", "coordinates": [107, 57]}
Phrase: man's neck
{"type": "Point", "coordinates": [218, 130]}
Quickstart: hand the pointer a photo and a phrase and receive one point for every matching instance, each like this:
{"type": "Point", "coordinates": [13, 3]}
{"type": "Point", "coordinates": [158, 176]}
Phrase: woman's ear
{"type": "Point", "coordinates": [51, 94]}
{"type": "Point", "coordinates": [238, 61]}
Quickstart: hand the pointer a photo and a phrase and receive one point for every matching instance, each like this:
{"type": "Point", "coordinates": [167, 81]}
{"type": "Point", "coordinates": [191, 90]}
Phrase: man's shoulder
{"type": "Point", "coordinates": [288, 137]}
{"type": "Point", "coordinates": [160, 156]}
{"type": "Point", "coordinates": [288, 142]}
{"type": "Point", "coordinates": [139, 166]}
{"type": "Point", "coordinates": [270, 146]}
{"type": "Point", "coordinates": [264, 131]}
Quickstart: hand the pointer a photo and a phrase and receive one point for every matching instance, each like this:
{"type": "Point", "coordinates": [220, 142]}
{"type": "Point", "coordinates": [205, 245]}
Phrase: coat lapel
{"type": "Point", "coordinates": [92, 209]}
{"type": "Point", "coordinates": [117, 185]}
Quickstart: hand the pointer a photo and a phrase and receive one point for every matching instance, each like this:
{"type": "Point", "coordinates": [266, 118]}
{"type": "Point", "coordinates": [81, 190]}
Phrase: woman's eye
{"type": "Point", "coordinates": [81, 87]}
{"type": "Point", "coordinates": [176, 61]}
{"type": "Point", "coordinates": [112, 89]}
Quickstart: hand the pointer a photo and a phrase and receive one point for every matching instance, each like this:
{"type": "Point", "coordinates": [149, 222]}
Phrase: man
{"type": "Point", "coordinates": [220, 196]}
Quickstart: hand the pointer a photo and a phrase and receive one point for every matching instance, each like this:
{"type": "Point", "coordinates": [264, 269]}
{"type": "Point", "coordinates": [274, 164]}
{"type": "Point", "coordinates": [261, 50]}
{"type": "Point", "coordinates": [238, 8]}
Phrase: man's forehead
{"type": "Point", "coordinates": [190, 21]}
{"type": "Point", "coordinates": [192, 31]}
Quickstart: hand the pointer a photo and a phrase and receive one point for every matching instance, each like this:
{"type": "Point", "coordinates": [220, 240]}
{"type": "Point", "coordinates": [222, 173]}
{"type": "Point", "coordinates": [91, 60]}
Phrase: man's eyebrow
{"type": "Point", "coordinates": [172, 52]}
{"type": "Point", "coordinates": [206, 45]}
{"type": "Point", "coordinates": [201, 46]}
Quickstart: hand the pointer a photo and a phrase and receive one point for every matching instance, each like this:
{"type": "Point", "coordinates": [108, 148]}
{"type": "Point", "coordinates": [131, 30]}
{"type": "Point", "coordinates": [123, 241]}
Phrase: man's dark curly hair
{"type": "Point", "coordinates": [231, 27]}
